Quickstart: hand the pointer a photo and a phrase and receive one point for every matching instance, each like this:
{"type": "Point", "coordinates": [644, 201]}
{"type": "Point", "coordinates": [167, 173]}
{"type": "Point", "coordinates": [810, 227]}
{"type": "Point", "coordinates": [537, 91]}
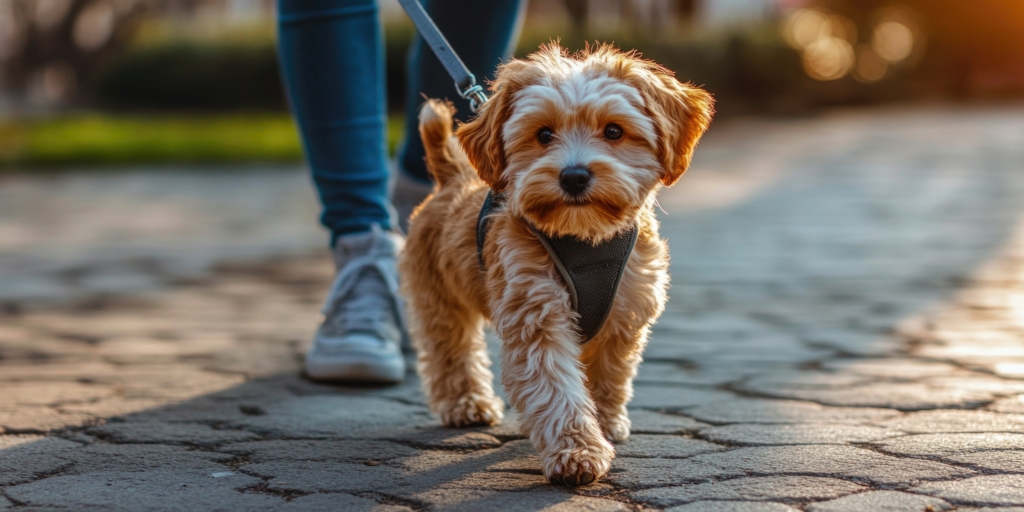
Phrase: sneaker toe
{"type": "Point", "coordinates": [357, 358]}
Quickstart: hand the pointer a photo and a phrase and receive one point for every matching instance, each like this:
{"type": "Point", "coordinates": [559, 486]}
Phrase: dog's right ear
{"type": "Point", "coordinates": [482, 138]}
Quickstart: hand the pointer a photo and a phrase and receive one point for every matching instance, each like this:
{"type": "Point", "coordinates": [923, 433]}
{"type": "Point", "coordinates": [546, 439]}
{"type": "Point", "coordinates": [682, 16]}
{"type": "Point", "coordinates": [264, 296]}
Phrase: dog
{"type": "Point", "coordinates": [626, 127]}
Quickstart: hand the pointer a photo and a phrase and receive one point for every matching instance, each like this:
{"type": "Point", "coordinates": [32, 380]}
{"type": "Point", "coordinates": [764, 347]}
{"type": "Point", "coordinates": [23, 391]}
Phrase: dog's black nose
{"type": "Point", "coordinates": [574, 179]}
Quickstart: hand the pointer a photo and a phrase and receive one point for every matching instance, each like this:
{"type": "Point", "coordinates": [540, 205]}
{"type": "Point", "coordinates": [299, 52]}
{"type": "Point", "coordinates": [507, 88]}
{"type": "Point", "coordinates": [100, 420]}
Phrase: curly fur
{"type": "Point", "coordinates": [572, 398]}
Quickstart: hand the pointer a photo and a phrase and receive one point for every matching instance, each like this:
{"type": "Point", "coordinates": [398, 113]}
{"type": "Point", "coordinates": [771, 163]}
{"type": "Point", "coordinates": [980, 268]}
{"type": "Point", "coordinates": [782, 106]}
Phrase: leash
{"type": "Point", "coordinates": [465, 82]}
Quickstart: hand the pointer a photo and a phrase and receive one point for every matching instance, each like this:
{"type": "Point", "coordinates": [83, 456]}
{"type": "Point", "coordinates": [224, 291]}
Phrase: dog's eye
{"type": "Point", "coordinates": [545, 136]}
{"type": "Point", "coordinates": [613, 131]}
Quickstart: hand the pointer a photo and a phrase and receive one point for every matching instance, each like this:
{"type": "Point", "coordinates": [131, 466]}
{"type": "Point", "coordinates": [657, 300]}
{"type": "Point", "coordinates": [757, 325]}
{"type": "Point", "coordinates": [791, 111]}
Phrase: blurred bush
{"type": "Point", "coordinates": [826, 52]}
{"type": "Point", "coordinates": [194, 75]}
{"type": "Point", "coordinates": [750, 69]}
{"type": "Point", "coordinates": [954, 49]}
{"type": "Point", "coordinates": [223, 74]}
{"type": "Point", "coordinates": [152, 69]}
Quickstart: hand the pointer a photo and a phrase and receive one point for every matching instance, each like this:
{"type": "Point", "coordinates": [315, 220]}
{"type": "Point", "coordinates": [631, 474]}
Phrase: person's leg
{"type": "Point", "coordinates": [332, 62]}
{"type": "Point", "coordinates": [482, 33]}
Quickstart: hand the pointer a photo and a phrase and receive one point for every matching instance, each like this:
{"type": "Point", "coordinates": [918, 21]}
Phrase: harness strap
{"type": "Point", "coordinates": [482, 222]}
{"type": "Point", "coordinates": [591, 273]}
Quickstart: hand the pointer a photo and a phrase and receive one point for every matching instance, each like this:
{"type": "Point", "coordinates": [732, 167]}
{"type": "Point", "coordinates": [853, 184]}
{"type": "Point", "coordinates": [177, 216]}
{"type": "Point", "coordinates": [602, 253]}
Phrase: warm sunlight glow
{"type": "Point", "coordinates": [830, 58]}
{"type": "Point", "coordinates": [893, 41]}
{"type": "Point", "coordinates": [871, 67]}
{"type": "Point", "coordinates": [1010, 369]}
{"type": "Point", "coordinates": [825, 42]}
{"type": "Point", "coordinates": [842, 27]}
{"type": "Point", "coordinates": [803, 27]}
{"type": "Point", "coordinates": [95, 26]}
{"type": "Point", "coordinates": [831, 45]}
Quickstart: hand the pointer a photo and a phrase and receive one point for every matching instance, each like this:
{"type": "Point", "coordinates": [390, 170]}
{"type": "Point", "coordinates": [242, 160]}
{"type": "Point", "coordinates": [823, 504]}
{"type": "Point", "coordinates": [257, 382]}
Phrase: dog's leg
{"type": "Point", "coordinates": [611, 360]}
{"type": "Point", "coordinates": [542, 375]}
{"type": "Point", "coordinates": [453, 364]}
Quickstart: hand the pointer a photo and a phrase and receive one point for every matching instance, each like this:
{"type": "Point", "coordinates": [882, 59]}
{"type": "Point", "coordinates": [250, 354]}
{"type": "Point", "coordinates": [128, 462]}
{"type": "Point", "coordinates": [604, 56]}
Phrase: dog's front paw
{"type": "Point", "coordinates": [616, 428]}
{"type": "Point", "coordinates": [472, 409]}
{"type": "Point", "coordinates": [579, 461]}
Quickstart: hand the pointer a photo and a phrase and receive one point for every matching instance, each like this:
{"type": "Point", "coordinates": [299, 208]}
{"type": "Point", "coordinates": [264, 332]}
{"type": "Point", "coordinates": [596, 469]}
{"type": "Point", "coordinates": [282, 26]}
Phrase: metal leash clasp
{"type": "Point", "coordinates": [474, 94]}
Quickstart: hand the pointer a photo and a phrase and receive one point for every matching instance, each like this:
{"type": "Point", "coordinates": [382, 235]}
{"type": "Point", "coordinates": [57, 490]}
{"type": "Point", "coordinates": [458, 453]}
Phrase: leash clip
{"type": "Point", "coordinates": [474, 94]}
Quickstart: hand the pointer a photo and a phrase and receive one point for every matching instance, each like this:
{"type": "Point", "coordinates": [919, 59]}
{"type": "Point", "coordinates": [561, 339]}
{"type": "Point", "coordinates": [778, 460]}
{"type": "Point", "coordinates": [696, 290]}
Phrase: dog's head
{"type": "Point", "coordinates": [578, 143]}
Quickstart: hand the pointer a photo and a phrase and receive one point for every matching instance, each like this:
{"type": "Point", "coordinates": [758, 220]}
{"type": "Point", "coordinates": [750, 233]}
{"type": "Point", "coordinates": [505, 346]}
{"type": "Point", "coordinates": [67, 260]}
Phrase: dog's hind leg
{"type": "Point", "coordinates": [453, 363]}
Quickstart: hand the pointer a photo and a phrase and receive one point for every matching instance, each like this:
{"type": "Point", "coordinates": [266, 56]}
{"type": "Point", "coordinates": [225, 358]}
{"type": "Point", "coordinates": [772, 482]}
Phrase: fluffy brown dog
{"type": "Point", "coordinates": [632, 127]}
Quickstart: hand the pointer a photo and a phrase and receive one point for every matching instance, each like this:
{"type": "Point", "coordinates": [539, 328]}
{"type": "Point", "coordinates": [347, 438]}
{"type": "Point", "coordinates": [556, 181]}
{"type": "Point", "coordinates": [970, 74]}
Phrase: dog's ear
{"type": "Point", "coordinates": [681, 114]}
{"type": "Point", "coordinates": [482, 138]}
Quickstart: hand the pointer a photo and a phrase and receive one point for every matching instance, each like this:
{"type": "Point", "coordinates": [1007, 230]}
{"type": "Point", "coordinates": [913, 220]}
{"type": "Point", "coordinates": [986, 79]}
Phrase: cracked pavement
{"type": "Point", "coordinates": [845, 333]}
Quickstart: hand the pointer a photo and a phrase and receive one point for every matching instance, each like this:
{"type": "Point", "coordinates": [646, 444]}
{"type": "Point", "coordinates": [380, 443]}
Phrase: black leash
{"type": "Point", "coordinates": [465, 82]}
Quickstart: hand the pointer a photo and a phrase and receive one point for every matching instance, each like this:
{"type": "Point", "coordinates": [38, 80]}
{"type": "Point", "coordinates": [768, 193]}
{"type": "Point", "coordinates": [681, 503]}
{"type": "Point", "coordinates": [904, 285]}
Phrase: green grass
{"type": "Point", "coordinates": [99, 140]}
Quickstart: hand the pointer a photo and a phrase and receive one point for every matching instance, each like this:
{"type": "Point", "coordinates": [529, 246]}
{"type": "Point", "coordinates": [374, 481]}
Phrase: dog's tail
{"type": "Point", "coordinates": [445, 159]}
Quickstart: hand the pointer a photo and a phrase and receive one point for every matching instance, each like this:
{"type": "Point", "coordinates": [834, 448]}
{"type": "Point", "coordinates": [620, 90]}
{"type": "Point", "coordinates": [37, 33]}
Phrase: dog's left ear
{"type": "Point", "coordinates": [681, 114]}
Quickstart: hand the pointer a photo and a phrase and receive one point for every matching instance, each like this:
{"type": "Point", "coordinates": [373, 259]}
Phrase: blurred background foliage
{"type": "Point", "coordinates": [137, 81]}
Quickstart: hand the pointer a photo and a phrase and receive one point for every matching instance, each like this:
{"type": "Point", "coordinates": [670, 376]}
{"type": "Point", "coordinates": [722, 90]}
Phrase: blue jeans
{"type": "Point", "coordinates": [332, 61]}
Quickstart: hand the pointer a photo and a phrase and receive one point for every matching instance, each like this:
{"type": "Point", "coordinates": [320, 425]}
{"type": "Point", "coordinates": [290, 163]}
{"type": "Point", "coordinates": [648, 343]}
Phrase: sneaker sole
{"type": "Point", "coordinates": [356, 369]}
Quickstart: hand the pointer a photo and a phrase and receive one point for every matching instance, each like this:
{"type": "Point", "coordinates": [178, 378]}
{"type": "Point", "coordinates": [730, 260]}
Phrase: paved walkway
{"type": "Point", "coordinates": [846, 333]}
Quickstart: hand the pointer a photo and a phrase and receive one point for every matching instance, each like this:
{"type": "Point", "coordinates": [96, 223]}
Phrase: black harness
{"type": "Point", "coordinates": [591, 272]}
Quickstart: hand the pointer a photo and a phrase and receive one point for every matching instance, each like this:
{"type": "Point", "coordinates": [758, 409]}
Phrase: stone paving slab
{"type": "Point", "coordinates": [665, 446]}
{"type": "Point", "coordinates": [1014, 404]}
{"type": "Point", "coordinates": [749, 410]}
{"type": "Point", "coordinates": [956, 421]}
{"type": "Point", "coordinates": [845, 462]}
{"type": "Point", "coordinates": [882, 501]}
{"type": "Point", "coordinates": [27, 456]}
{"type": "Point", "coordinates": [768, 488]}
{"type": "Point", "coordinates": [990, 509]}
{"type": "Point", "coordinates": [844, 333]}
{"type": "Point", "coordinates": [731, 506]}
{"type": "Point", "coordinates": [979, 490]}
{"type": "Point", "coordinates": [795, 434]}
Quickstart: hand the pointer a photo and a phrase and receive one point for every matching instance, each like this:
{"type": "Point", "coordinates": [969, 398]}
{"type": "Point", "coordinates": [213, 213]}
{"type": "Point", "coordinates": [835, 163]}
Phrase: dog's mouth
{"type": "Point", "coordinates": [577, 200]}
{"type": "Point", "coordinates": [547, 211]}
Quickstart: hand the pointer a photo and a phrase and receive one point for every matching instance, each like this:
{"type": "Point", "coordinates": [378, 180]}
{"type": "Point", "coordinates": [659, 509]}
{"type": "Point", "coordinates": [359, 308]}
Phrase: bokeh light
{"type": "Point", "coordinates": [49, 13]}
{"type": "Point", "coordinates": [842, 27]}
{"type": "Point", "coordinates": [871, 67]}
{"type": "Point", "coordinates": [58, 82]}
{"type": "Point", "coordinates": [1010, 369]}
{"type": "Point", "coordinates": [95, 26]}
{"type": "Point", "coordinates": [803, 27]}
{"type": "Point", "coordinates": [828, 42]}
{"type": "Point", "coordinates": [893, 41]}
{"type": "Point", "coordinates": [829, 58]}
{"type": "Point", "coordinates": [825, 42]}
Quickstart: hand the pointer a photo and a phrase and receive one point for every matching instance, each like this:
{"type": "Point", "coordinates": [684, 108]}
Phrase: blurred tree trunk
{"type": "Point", "coordinates": [686, 10]}
{"type": "Point", "coordinates": [59, 44]}
{"type": "Point", "coordinates": [579, 12]}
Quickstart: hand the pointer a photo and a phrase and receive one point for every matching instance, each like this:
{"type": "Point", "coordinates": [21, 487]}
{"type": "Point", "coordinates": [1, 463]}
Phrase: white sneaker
{"type": "Point", "coordinates": [363, 328]}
